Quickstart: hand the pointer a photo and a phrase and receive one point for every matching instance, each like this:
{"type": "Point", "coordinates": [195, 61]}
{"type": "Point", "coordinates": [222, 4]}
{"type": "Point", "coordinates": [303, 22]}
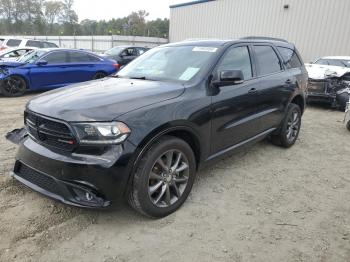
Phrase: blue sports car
{"type": "Point", "coordinates": [52, 68]}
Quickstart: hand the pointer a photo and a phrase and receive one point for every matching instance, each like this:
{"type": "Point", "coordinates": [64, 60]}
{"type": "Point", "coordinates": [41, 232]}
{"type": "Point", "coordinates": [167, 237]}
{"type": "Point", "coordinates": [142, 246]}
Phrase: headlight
{"type": "Point", "coordinates": [101, 133]}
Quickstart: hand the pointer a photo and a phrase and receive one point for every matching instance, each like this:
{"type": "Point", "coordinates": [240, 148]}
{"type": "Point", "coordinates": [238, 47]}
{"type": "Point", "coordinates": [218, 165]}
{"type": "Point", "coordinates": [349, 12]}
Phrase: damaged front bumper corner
{"type": "Point", "coordinates": [83, 180]}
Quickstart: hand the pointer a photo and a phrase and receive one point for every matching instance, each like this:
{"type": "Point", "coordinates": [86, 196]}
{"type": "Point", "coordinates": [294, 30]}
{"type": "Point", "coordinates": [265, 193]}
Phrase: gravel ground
{"type": "Point", "coordinates": [264, 204]}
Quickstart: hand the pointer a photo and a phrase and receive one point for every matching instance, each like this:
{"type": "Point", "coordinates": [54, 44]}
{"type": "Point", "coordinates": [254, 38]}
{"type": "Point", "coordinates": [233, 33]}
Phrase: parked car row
{"type": "Point", "coordinates": [31, 68]}
{"type": "Point", "coordinates": [144, 133]}
{"type": "Point", "coordinates": [21, 42]}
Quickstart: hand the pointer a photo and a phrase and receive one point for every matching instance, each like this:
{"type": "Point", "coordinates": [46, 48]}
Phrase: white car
{"type": "Point", "coordinates": [329, 80]}
{"type": "Point", "coordinates": [21, 42]}
{"type": "Point", "coordinates": [347, 115]}
{"type": "Point", "coordinates": [12, 54]}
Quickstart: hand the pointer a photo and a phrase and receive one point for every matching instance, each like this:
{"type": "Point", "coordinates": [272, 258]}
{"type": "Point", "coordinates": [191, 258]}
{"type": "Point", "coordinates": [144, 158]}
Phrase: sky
{"type": "Point", "coordinates": [108, 9]}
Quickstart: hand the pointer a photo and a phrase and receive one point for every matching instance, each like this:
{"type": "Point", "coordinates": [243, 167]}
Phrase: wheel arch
{"type": "Point", "coordinates": [21, 76]}
{"type": "Point", "coordinates": [300, 101]}
{"type": "Point", "coordinates": [181, 131]}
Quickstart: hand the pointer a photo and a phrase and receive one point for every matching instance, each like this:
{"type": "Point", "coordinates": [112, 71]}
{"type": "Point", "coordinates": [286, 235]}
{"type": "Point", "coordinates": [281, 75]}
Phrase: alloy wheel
{"type": "Point", "coordinates": [168, 178]}
{"type": "Point", "coordinates": [293, 126]}
{"type": "Point", "coordinates": [14, 85]}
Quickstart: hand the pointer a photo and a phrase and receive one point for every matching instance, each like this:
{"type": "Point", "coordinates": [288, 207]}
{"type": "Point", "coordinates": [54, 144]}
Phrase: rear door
{"type": "Point", "coordinates": [53, 74]}
{"type": "Point", "coordinates": [82, 66]}
{"type": "Point", "coordinates": [274, 87]}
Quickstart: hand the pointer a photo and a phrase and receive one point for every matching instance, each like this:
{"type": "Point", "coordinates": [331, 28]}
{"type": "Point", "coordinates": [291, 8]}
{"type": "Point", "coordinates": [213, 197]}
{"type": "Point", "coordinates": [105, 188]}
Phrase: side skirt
{"type": "Point", "coordinates": [241, 144]}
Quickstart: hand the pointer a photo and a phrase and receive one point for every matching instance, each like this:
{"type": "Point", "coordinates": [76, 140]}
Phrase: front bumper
{"type": "Point", "coordinates": [80, 181]}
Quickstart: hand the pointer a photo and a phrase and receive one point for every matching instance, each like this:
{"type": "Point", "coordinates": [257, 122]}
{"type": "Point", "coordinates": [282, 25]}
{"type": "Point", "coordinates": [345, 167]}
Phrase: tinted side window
{"type": "Point", "coordinates": [56, 58]}
{"type": "Point", "coordinates": [76, 57]}
{"type": "Point", "coordinates": [140, 51]}
{"type": "Point", "coordinates": [34, 43]}
{"type": "Point", "coordinates": [237, 58]}
{"type": "Point", "coordinates": [267, 60]}
{"type": "Point", "coordinates": [49, 45]}
{"type": "Point", "coordinates": [290, 57]}
{"type": "Point", "coordinates": [130, 52]}
{"type": "Point", "coordinates": [13, 42]}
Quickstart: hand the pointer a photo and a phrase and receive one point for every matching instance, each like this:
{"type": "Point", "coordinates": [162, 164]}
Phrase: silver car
{"type": "Point", "coordinates": [12, 54]}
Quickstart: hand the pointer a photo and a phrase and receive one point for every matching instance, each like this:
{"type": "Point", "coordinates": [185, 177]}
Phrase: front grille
{"type": "Point", "coordinates": [37, 178]}
{"type": "Point", "coordinates": [50, 132]}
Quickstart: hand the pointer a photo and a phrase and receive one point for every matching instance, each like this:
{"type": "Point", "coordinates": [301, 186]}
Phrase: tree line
{"type": "Point", "coordinates": [40, 17]}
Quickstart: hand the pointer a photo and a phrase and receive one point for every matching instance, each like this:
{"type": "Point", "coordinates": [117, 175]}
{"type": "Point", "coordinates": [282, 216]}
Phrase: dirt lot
{"type": "Point", "coordinates": [267, 204]}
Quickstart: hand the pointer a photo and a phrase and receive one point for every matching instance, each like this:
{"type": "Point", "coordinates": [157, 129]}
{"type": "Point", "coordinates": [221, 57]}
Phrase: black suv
{"type": "Point", "coordinates": [144, 132]}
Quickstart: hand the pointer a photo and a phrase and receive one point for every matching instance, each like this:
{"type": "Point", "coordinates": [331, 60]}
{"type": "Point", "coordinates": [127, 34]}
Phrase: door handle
{"type": "Point", "coordinates": [253, 91]}
{"type": "Point", "coordinates": [288, 82]}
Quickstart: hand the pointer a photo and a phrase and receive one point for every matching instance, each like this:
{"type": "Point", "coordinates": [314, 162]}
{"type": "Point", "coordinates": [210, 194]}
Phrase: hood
{"type": "Point", "coordinates": [325, 71]}
{"type": "Point", "coordinates": [102, 100]}
{"type": "Point", "coordinates": [10, 63]}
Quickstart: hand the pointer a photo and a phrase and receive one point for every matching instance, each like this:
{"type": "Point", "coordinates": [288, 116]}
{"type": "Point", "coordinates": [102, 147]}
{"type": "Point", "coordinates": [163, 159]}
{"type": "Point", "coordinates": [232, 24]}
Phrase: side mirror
{"type": "Point", "coordinates": [41, 63]}
{"type": "Point", "coordinates": [229, 77]}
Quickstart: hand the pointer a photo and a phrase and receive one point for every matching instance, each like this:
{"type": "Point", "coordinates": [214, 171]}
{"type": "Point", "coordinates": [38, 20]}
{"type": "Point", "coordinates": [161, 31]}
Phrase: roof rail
{"type": "Point", "coordinates": [264, 38]}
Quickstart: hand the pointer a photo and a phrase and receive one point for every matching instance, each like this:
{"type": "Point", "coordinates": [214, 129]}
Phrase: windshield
{"type": "Point", "coordinates": [177, 63]}
{"type": "Point", "coordinates": [334, 62]}
{"type": "Point", "coordinates": [32, 56]}
{"type": "Point", "coordinates": [114, 51]}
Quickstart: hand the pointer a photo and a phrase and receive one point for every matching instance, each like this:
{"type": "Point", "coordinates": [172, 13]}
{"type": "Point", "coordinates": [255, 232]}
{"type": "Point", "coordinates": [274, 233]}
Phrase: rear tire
{"type": "Point", "coordinates": [163, 178]}
{"type": "Point", "coordinates": [289, 130]}
{"type": "Point", "coordinates": [13, 86]}
{"type": "Point", "coordinates": [99, 75]}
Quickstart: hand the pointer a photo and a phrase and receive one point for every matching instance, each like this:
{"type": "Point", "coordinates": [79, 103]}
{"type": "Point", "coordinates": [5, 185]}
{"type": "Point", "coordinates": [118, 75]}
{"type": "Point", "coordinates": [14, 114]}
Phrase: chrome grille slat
{"type": "Point", "coordinates": [50, 132]}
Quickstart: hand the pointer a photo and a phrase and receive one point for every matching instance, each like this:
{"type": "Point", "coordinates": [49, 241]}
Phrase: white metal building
{"type": "Point", "coordinates": [317, 27]}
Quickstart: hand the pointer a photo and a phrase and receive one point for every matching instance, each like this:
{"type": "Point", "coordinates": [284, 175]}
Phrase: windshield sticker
{"type": "Point", "coordinates": [189, 73]}
{"type": "Point", "coordinates": [204, 49]}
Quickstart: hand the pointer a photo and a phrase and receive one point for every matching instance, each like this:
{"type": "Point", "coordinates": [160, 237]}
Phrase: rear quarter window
{"type": "Point", "coordinates": [49, 45]}
{"type": "Point", "coordinates": [34, 44]}
{"type": "Point", "coordinates": [13, 42]}
{"type": "Point", "coordinates": [290, 57]}
{"type": "Point", "coordinates": [267, 60]}
{"type": "Point", "coordinates": [79, 57]}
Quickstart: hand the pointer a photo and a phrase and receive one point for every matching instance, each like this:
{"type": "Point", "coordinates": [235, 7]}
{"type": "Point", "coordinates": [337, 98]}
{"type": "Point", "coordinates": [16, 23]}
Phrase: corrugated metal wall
{"type": "Point", "coordinates": [317, 27]}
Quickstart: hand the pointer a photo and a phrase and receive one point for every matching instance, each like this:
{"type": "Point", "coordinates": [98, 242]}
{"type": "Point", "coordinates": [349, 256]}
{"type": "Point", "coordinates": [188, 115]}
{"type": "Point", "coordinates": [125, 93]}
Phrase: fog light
{"type": "Point", "coordinates": [88, 196]}
{"type": "Point", "coordinates": [83, 195]}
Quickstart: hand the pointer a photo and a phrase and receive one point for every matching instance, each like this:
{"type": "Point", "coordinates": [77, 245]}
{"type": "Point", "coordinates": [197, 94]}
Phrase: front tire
{"type": "Point", "coordinates": [163, 178]}
{"type": "Point", "coordinates": [290, 128]}
{"type": "Point", "coordinates": [13, 86]}
{"type": "Point", "coordinates": [99, 75]}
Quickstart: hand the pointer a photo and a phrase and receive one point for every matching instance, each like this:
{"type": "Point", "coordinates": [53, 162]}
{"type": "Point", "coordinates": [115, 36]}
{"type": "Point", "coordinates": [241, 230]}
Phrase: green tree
{"type": "Point", "coordinates": [53, 12]}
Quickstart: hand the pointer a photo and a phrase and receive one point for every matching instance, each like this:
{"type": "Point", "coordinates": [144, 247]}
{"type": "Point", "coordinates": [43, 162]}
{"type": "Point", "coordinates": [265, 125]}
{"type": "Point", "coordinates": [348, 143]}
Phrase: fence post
{"type": "Point", "coordinates": [75, 42]}
{"type": "Point", "coordinates": [92, 43]}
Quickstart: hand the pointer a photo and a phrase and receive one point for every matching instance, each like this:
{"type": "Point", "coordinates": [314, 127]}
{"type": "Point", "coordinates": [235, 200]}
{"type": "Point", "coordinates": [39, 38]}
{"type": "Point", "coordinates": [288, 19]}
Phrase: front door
{"type": "Point", "coordinates": [235, 107]}
{"type": "Point", "coordinates": [51, 75]}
